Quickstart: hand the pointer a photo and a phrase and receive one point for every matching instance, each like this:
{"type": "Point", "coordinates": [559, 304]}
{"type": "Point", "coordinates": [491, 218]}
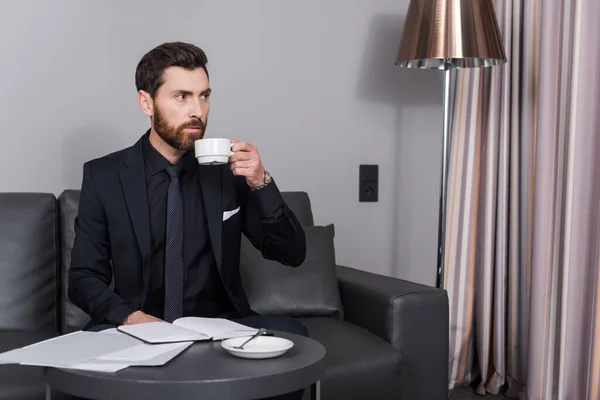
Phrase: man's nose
{"type": "Point", "coordinates": [195, 110]}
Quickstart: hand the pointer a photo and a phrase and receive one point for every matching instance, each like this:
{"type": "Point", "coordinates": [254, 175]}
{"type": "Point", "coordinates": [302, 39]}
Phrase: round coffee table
{"type": "Point", "coordinates": [203, 371]}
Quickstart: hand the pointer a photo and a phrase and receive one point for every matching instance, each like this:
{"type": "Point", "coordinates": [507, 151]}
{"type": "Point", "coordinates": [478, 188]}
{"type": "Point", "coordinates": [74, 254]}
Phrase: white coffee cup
{"type": "Point", "coordinates": [213, 151]}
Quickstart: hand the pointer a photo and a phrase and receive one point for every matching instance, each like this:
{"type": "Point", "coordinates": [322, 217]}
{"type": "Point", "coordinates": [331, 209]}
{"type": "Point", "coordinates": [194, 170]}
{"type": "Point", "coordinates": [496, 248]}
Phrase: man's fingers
{"type": "Point", "coordinates": [237, 171]}
{"type": "Point", "coordinates": [243, 164]}
{"type": "Point", "coordinates": [242, 146]}
{"type": "Point", "coordinates": [241, 156]}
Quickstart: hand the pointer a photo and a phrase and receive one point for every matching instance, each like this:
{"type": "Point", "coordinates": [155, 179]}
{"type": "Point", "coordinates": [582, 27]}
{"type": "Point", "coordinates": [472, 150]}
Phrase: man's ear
{"type": "Point", "coordinates": [145, 102]}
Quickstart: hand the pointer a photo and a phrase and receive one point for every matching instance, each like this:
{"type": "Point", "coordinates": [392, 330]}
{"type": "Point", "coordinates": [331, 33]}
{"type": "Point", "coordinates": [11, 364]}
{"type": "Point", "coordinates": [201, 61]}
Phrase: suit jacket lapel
{"type": "Point", "coordinates": [133, 182]}
{"type": "Point", "coordinates": [210, 181]}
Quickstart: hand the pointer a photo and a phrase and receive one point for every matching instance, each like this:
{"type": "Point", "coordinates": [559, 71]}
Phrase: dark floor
{"type": "Point", "coordinates": [470, 394]}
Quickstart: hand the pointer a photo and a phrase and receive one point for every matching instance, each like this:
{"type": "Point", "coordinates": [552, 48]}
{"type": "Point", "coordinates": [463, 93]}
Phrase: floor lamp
{"type": "Point", "coordinates": [446, 35]}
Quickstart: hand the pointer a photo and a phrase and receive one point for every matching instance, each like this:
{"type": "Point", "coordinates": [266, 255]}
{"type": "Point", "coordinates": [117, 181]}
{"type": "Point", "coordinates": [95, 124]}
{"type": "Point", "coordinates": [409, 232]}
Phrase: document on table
{"type": "Point", "coordinates": [68, 350]}
{"type": "Point", "coordinates": [94, 351]}
{"type": "Point", "coordinates": [145, 354]}
{"type": "Point", "coordinates": [92, 366]}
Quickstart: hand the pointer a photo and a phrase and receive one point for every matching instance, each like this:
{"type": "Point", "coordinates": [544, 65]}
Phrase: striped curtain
{"type": "Point", "coordinates": [523, 211]}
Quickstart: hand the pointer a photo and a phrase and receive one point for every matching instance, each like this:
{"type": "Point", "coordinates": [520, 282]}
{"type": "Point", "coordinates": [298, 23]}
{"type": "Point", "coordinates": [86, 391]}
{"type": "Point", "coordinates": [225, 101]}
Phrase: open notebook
{"type": "Point", "coordinates": [187, 329]}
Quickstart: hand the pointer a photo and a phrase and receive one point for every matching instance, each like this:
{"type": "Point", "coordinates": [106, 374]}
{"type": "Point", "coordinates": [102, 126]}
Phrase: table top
{"type": "Point", "coordinates": [205, 370]}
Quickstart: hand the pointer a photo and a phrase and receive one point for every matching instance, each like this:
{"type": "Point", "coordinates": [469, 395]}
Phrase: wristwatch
{"type": "Point", "coordinates": [268, 179]}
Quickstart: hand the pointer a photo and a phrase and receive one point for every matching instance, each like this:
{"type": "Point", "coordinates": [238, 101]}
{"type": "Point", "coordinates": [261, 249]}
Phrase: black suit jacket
{"type": "Point", "coordinates": [112, 235]}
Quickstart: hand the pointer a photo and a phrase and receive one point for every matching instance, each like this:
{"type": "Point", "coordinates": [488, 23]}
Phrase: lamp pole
{"type": "Point", "coordinates": [444, 178]}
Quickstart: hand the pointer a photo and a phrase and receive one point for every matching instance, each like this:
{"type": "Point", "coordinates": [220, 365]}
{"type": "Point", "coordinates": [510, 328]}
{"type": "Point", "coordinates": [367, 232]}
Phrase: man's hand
{"type": "Point", "coordinates": [139, 317]}
{"type": "Point", "coordinates": [246, 162]}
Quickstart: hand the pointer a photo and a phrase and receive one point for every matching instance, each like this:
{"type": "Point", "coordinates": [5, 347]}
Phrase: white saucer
{"type": "Point", "coordinates": [260, 347]}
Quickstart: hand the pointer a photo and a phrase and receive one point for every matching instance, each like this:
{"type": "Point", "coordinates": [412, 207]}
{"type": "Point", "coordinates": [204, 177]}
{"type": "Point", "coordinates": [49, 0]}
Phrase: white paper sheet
{"type": "Point", "coordinates": [92, 366]}
{"type": "Point", "coordinates": [143, 352]}
{"type": "Point", "coordinates": [94, 351]}
{"type": "Point", "coordinates": [68, 350]}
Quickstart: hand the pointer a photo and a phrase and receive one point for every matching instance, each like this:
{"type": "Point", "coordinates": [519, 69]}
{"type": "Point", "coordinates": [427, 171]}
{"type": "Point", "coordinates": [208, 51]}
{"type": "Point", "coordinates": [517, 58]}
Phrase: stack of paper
{"type": "Point", "coordinates": [149, 344]}
{"type": "Point", "coordinates": [107, 351]}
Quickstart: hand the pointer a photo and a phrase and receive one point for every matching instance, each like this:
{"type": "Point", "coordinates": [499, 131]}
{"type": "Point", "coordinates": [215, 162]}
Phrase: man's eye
{"type": "Point", "coordinates": [205, 96]}
{"type": "Point", "coordinates": [181, 96]}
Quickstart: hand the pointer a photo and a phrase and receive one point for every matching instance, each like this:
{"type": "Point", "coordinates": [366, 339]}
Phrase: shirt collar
{"type": "Point", "coordinates": [156, 162]}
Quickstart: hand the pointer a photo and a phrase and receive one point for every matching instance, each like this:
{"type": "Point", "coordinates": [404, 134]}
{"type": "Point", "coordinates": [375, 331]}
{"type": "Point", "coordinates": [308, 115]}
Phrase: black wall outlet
{"type": "Point", "coordinates": [368, 184]}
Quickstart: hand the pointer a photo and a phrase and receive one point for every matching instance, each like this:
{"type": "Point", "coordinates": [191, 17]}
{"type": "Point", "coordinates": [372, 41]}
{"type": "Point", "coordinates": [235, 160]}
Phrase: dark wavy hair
{"type": "Point", "coordinates": [149, 71]}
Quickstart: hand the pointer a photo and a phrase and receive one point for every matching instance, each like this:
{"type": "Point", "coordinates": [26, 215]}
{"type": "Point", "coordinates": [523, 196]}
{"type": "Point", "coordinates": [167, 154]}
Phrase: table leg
{"type": "Point", "coordinates": [48, 392]}
{"type": "Point", "coordinates": [315, 391]}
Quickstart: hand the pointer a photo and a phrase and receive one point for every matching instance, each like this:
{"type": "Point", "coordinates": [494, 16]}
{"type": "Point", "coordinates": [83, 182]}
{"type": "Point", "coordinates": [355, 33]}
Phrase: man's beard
{"type": "Point", "coordinates": [175, 136]}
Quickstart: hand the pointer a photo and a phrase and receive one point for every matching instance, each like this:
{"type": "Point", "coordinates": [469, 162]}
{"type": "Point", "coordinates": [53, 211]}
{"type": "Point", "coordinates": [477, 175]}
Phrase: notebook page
{"type": "Point", "coordinates": [217, 328]}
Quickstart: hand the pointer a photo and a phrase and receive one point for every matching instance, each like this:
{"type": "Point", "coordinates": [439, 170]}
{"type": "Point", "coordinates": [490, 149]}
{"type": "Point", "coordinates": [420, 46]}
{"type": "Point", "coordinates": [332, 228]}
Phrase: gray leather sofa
{"type": "Point", "coordinates": [391, 342]}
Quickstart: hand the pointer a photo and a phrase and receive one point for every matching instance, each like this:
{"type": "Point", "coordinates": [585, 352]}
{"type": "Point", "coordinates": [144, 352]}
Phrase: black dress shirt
{"type": "Point", "coordinates": [204, 293]}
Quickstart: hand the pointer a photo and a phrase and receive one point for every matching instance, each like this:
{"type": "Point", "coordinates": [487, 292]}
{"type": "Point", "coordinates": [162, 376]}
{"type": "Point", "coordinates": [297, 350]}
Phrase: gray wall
{"type": "Point", "coordinates": [311, 83]}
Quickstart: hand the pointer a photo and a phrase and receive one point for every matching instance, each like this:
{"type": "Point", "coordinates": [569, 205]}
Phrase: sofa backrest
{"type": "Point", "coordinates": [29, 260]}
{"type": "Point", "coordinates": [299, 203]}
{"type": "Point", "coordinates": [72, 317]}
{"type": "Point", "coordinates": [36, 238]}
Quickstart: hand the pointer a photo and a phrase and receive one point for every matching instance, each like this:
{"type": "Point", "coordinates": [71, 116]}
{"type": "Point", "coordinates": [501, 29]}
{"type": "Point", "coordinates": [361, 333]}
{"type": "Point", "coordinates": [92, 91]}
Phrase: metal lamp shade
{"type": "Point", "coordinates": [446, 34]}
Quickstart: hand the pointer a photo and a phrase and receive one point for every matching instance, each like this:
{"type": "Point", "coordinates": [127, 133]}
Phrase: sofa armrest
{"type": "Point", "coordinates": [410, 316]}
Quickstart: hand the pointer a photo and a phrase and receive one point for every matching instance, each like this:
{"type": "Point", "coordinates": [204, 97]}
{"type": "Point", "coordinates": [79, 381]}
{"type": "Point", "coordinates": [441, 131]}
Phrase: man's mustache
{"type": "Point", "coordinates": [194, 124]}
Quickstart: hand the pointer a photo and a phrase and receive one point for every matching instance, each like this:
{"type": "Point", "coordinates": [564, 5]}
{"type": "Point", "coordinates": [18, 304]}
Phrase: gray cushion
{"type": "Point", "coordinates": [308, 290]}
{"type": "Point", "coordinates": [358, 362]}
{"type": "Point", "coordinates": [299, 203]}
{"type": "Point", "coordinates": [73, 318]}
{"type": "Point", "coordinates": [28, 261]}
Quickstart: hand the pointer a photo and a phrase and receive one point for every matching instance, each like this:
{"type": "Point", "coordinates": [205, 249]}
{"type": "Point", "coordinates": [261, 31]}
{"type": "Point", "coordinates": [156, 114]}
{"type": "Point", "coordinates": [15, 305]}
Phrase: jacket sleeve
{"type": "Point", "coordinates": [271, 226]}
{"type": "Point", "coordinates": [90, 272]}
